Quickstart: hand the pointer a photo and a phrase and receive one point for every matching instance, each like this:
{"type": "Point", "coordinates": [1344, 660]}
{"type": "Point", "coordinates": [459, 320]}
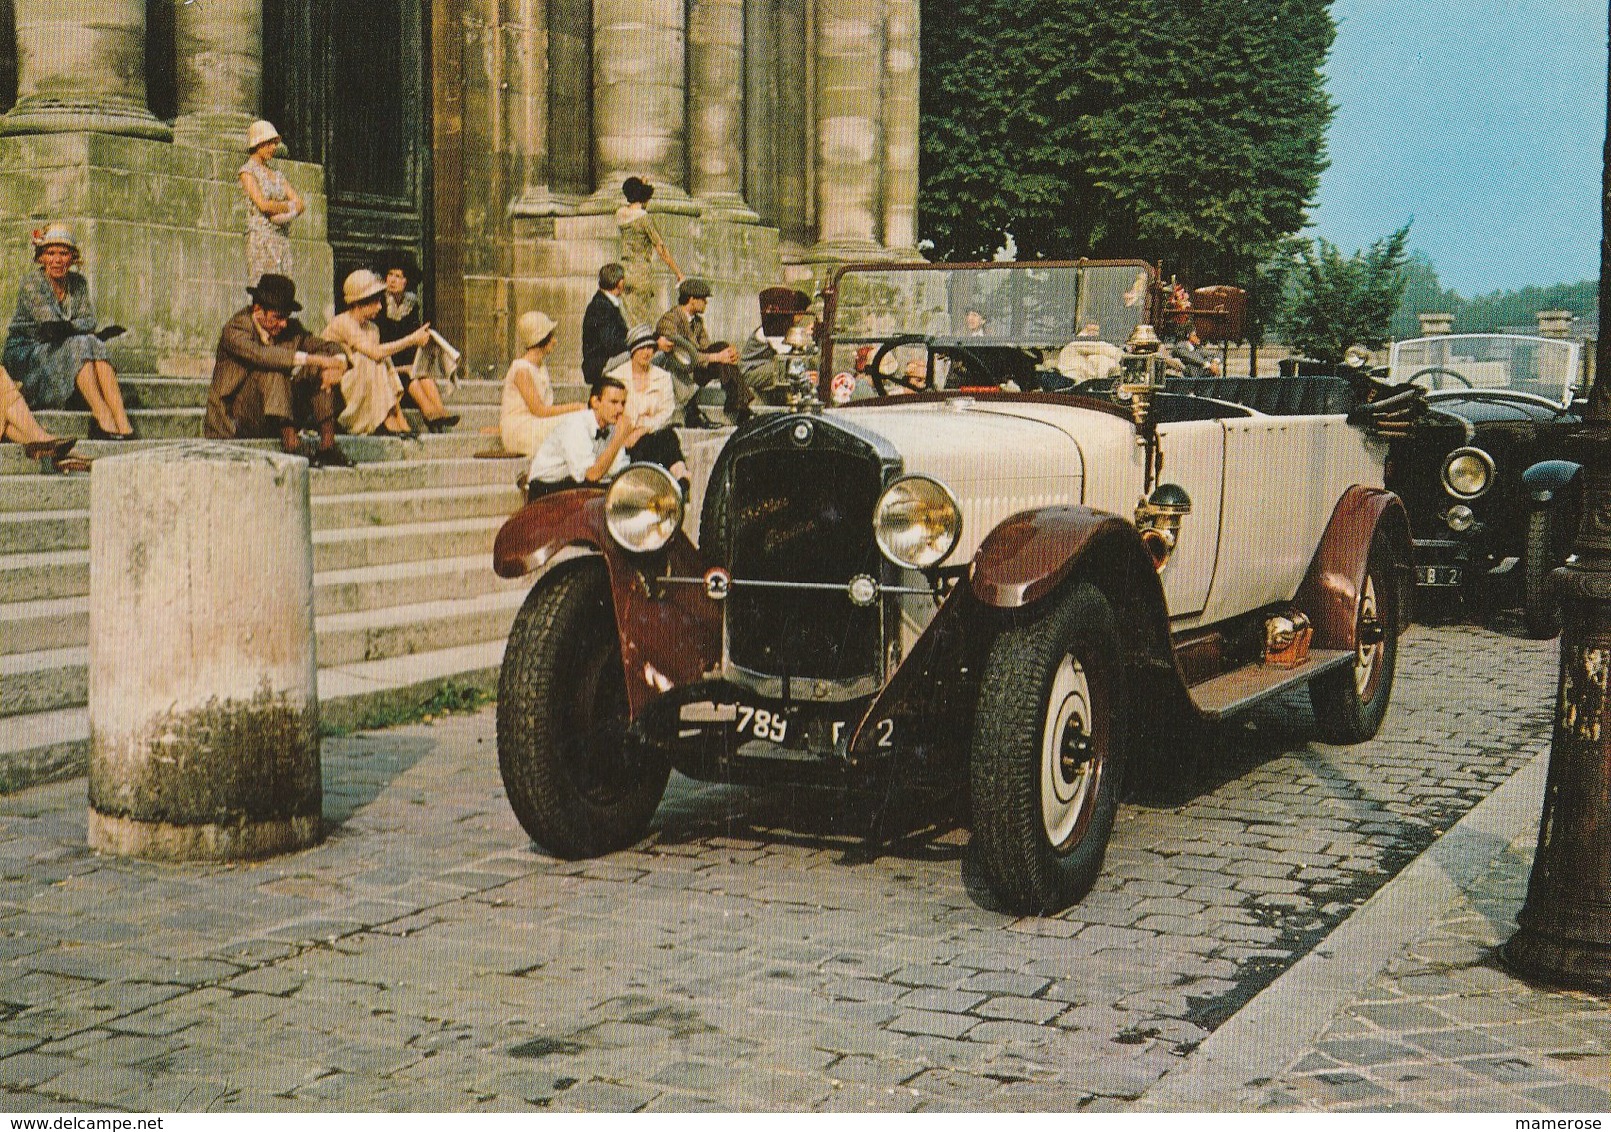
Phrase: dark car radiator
{"type": "Point", "coordinates": [803, 516]}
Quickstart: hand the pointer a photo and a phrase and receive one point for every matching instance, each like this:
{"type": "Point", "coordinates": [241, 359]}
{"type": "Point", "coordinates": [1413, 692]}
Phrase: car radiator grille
{"type": "Point", "coordinates": [803, 517]}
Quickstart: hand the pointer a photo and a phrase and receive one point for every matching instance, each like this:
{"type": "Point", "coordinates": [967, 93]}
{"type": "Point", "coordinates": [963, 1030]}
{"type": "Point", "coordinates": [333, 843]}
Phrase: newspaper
{"type": "Point", "coordinates": [440, 360]}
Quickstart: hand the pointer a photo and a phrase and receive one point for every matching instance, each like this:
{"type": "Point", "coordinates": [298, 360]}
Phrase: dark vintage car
{"type": "Point", "coordinates": [976, 591]}
{"type": "Point", "coordinates": [1493, 503]}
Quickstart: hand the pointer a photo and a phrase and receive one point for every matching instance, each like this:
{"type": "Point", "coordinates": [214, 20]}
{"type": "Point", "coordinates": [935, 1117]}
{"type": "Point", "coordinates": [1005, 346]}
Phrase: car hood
{"type": "Point", "coordinates": [997, 459]}
{"type": "Point", "coordinates": [1494, 410]}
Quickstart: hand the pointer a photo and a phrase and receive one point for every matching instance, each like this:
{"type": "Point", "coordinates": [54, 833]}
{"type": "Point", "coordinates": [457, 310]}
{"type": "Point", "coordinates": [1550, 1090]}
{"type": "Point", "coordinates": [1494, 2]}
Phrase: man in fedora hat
{"type": "Point", "coordinates": [701, 360]}
{"type": "Point", "coordinates": [270, 375]}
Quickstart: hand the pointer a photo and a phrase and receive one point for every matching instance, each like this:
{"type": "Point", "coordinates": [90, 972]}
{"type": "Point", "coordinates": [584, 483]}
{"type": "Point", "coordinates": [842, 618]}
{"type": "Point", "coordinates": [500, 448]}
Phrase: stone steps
{"type": "Point", "coordinates": [404, 594]}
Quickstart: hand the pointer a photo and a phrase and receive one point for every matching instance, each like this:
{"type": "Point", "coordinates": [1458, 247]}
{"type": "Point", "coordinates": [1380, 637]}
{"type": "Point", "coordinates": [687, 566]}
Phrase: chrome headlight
{"type": "Point", "coordinates": [917, 522]}
{"type": "Point", "coordinates": [643, 508]}
{"type": "Point", "coordinates": [1468, 472]}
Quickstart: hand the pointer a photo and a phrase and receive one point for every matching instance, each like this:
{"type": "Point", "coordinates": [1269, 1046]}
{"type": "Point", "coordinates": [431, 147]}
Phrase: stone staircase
{"type": "Point", "coordinates": [404, 594]}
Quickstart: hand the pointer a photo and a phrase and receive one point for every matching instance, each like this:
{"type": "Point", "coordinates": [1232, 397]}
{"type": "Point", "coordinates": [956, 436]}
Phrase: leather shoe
{"type": "Point", "coordinates": [693, 418]}
{"type": "Point", "coordinates": [54, 448]}
{"type": "Point", "coordinates": [442, 423]}
{"type": "Point", "coordinates": [332, 457]}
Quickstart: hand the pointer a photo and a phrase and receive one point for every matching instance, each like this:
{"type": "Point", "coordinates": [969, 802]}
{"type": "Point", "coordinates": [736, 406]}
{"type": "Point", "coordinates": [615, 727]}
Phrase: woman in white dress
{"type": "Point", "coordinates": [651, 404]}
{"type": "Point", "coordinates": [370, 387]}
{"type": "Point", "coordinates": [528, 411]}
{"type": "Point", "coordinates": [274, 204]}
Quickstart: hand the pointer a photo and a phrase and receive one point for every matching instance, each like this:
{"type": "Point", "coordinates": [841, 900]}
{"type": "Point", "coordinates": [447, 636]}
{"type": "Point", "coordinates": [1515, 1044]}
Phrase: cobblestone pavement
{"type": "Point", "coordinates": [751, 954]}
{"type": "Point", "coordinates": [1445, 1028]}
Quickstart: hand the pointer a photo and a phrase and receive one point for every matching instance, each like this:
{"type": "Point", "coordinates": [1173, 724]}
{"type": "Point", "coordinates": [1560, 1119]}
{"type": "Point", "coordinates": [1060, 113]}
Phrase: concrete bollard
{"type": "Point", "coordinates": [203, 694]}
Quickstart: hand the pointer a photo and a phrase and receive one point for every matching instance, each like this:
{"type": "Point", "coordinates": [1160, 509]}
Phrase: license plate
{"type": "Point", "coordinates": [1437, 575]}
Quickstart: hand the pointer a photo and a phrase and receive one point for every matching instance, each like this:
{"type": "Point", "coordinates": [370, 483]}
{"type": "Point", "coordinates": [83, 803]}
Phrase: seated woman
{"type": "Point", "coordinates": [651, 404]}
{"type": "Point", "coordinates": [17, 424]}
{"type": "Point", "coordinates": [528, 413]}
{"type": "Point", "coordinates": [52, 348]}
{"type": "Point", "coordinates": [370, 387]}
{"type": "Point", "coordinates": [399, 318]}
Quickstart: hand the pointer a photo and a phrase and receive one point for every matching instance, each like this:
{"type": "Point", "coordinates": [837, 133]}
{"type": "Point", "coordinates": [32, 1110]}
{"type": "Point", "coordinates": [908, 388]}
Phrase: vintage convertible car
{"type": "Point", "coordinates": [1483, 474]}
{"type": "Point", "coordinates": [999, 591]}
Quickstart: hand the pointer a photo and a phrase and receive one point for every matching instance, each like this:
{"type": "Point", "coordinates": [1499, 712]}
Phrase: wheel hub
{"type": "Point", "coordinates": [1070, 762]}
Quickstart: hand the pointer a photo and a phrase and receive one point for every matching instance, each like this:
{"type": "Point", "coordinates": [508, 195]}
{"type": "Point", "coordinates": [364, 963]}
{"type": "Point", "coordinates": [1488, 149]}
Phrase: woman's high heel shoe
{"type": "Point", "coordinates": [55, 448]}
{"type": "Point", "coordinates": [442, 423]}
{"type": "Point", "coordinates": [96, 432]}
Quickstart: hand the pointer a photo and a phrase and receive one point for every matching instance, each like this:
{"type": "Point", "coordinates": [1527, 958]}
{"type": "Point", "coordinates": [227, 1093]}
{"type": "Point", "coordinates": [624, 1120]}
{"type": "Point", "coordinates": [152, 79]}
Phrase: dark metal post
{"type": "Point", "coordinates": [1565, 927]}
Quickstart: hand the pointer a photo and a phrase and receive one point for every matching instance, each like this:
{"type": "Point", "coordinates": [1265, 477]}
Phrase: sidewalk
{"type": "Point", "coordinates": [1405, 1008]}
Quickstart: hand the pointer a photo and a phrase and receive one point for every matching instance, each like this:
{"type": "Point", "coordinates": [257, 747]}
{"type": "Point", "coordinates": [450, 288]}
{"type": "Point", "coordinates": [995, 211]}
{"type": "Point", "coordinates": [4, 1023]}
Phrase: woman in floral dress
{"type": "Point", "coordinates": [274, 204]}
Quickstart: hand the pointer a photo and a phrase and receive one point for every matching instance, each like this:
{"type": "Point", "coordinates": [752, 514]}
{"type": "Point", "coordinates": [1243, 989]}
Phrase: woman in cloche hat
{"type": "Point", "coordinates": [52, 348]}
{"type": "Point", "coordinates": [274, 205]}
{"type": "Point", "coordinates": [528, 411]}
{"type": "Point", "coordinates": [370, 386]}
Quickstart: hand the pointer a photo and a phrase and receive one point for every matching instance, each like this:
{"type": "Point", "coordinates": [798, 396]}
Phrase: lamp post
{"type": "Point", "coordinates": [1564, 938]}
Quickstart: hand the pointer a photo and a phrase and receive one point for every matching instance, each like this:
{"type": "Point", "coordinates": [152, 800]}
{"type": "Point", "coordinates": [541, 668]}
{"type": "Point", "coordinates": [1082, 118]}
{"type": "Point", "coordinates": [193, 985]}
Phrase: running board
{"type": "Point", "coordinates": [1242, 688]}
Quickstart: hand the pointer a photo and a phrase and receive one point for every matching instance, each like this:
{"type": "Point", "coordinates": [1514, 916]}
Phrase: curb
{"type": "Point", "coordinates": [1282, 1021]}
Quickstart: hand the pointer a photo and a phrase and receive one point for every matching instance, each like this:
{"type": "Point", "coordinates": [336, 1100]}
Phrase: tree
{"type": "Point", "coordinates": [1423, 293]}
{"type": "Point", "coordinates": [1337, 301]}
{"type": "Point", "coordinates": [1186, 131]}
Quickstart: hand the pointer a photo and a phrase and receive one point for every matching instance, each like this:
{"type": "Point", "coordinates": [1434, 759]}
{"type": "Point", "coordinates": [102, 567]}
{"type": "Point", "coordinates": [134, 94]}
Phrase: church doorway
{"type": "Point", "coordinates": [349, 87]}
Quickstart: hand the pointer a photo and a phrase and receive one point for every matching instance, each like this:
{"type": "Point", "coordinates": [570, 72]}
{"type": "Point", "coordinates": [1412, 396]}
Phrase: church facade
{"type": "Point", "coordinates": [485, 139]}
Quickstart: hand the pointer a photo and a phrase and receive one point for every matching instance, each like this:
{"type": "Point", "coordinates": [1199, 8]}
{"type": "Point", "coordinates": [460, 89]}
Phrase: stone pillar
{"type": "Point", "coordinates": [81, 69]}
{"type": "Point", "coordinates": [219, 50]}
{"type": "Point", "coordinates": [1555, 324]}
{"type": "Point", "coordinates": [203, 702]}
{"type": "Point", "coordinates": [850, 135]}
{"type": "Point", "coordinates": [525, 78]}
{"type": "Point", "coordinates": [1435, 324]}
{"type": "Point", "coordinates": [638, 97]}
{"type": "Point", "coordinates": [901, 126]}
{"type": "Point", "coordinates": [716, 142]}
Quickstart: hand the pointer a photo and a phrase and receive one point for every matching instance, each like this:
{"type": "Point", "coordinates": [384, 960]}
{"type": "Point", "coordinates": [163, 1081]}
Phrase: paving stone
{"type": "Point", "coordinates": [932, 1022]}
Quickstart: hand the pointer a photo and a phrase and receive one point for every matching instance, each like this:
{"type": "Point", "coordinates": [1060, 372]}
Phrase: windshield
{"type": "Point", "coordinates": [1515, 363]}
{"type": "Point", "coordinates": [1025, 305]}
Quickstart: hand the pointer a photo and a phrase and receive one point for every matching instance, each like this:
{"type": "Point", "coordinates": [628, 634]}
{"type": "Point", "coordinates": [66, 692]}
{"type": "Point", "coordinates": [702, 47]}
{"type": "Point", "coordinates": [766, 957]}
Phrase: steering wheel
{"type": "Point", "coordinates": [1438, 373]}
{"type": "Point", "coordinates": [875, 368]}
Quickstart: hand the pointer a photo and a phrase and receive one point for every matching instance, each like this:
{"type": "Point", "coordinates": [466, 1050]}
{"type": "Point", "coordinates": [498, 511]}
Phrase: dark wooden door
{"type": "Point", "coordinates": [347, 84]}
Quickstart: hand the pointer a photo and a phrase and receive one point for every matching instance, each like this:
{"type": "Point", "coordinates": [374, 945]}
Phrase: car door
{"type": "Point", "coordinates": [1194, 458]}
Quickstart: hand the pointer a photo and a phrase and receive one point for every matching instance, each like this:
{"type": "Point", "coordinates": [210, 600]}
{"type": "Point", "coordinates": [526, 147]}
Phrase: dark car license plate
{"type": "Point", "coordinates": [1437, 575]}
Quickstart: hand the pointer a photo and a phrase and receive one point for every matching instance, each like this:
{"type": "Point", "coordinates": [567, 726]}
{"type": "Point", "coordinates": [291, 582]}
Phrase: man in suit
{"type": "Point", "coordinates": [604, 328]}
{"type": "Point", "coordinates": [270, 375]}
{"type": "Point", "coordinates": [706, 361]}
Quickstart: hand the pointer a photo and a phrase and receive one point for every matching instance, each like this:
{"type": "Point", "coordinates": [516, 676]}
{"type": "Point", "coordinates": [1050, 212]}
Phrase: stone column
{"type": "Point", "coordinates": [1555, 324]}
{"type": "Point", "coordinates": [850, 134]}
{"type": "Point", "coordinates": [638, 94]}
{"type": "Point", "coordinates": [203, 701]}
{"type": "Point", "coordinates": [219, 50]}
{"type": "Point", "coordinates": [81, 68]}
{"type": "Point", "coordinates": [716, 107]}
{"type": "Point", "coordinates": [901, 126]}
{"type": "Point", "coordinates": [1433, 324]}
{"type": "Point", "coordinates": [525, 78]}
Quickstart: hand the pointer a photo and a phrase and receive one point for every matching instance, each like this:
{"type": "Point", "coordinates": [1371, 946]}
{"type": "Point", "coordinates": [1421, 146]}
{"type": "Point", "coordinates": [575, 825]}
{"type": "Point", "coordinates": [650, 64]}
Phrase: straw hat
{"type": "Point", "coordinates": [533, 327]}
{"type": "Point", "coordinates": [57, 235]}
{"type": "Point", "coordinates": [259, 132]}
{"type": "Point", "coordinates": [360, 285]}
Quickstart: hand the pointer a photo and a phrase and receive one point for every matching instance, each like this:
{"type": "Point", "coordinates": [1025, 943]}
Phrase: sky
{"type": "Point", "coordinates": [1484, 120]}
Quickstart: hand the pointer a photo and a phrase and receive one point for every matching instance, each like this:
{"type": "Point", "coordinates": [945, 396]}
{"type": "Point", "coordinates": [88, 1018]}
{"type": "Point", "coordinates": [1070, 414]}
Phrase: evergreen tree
{"type": "Point", "coordinates": [1186, 131]}
{"type": "Point", "coordinates": [1336, 301]}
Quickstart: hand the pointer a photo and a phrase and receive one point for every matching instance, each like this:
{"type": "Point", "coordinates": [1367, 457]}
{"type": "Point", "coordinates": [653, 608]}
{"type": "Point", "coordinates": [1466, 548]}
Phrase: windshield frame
{"type": "Point", "coordinates": [1398, 370]}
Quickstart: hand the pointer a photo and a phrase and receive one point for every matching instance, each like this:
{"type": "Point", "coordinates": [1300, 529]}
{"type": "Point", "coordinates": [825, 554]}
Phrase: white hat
{"type": "Point", "coordinates": [55, 234]}
{"type": "Point", "coordinates": [360, 285]}
{"type": "Point", "coordinates": [533, 327]}
{"type": "Point", "coordinates": [259, 132]}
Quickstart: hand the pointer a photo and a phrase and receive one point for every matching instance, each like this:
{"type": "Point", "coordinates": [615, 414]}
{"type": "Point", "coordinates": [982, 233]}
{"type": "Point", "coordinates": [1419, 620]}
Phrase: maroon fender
{"type": "Point", "coordinates": [1030, 553]}
{"type": "Point", "coordinates": [670, 636]}
{"type": "Point", "coordinates": [1330, 591]}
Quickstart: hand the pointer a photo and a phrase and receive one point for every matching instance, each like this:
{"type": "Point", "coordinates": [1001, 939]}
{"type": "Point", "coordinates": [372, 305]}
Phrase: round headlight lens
{"type": "Point", "coordinates": [917, 522]}
{"type": "Point", "coordinates": [643, 508]}
{"type": "Point", "coordinates": [1468, 472]}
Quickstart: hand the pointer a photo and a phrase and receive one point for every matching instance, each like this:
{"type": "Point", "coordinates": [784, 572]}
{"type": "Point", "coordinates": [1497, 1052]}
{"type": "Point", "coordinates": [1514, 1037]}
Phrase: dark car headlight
{"type": "Point", "coordinates": [643, 508]}
{"type": "Point", "coordinates": [1467, 473]}
{"type": "Point", "coordinates": [917, 522]}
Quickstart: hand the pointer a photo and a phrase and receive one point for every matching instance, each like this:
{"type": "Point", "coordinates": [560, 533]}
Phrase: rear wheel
{"type": "Point", "coordinates": [1350, 702]}
{"type": "Point", "coordinates": [1050, 738]}
{"type": "Point", "coordinates": [1543, 551]}
{"type": "Point", "coordinates": [575, 781]}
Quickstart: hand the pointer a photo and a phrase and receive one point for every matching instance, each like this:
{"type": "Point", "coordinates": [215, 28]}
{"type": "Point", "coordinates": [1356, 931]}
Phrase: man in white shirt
{"type": "Point", "coordinates": [585, 449]}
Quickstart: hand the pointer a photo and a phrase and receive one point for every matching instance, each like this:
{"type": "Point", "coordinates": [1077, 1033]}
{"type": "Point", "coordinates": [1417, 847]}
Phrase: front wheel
{"type": "Point", "coordinates": [1350, 701]}
{"type": "Point", "coordinates": [575, 781]}
{"type": "Point", "coordinates": [1049, 745]}
{"type": "Point", "coordinates": [1544, 550]}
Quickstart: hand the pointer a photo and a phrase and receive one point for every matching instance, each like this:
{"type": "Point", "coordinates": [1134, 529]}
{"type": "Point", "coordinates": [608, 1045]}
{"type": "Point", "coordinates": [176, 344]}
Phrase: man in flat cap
{"type": "Point", "coordinates": [704, 361]}
{"type": "Point", "coordinates": [270, 376]}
